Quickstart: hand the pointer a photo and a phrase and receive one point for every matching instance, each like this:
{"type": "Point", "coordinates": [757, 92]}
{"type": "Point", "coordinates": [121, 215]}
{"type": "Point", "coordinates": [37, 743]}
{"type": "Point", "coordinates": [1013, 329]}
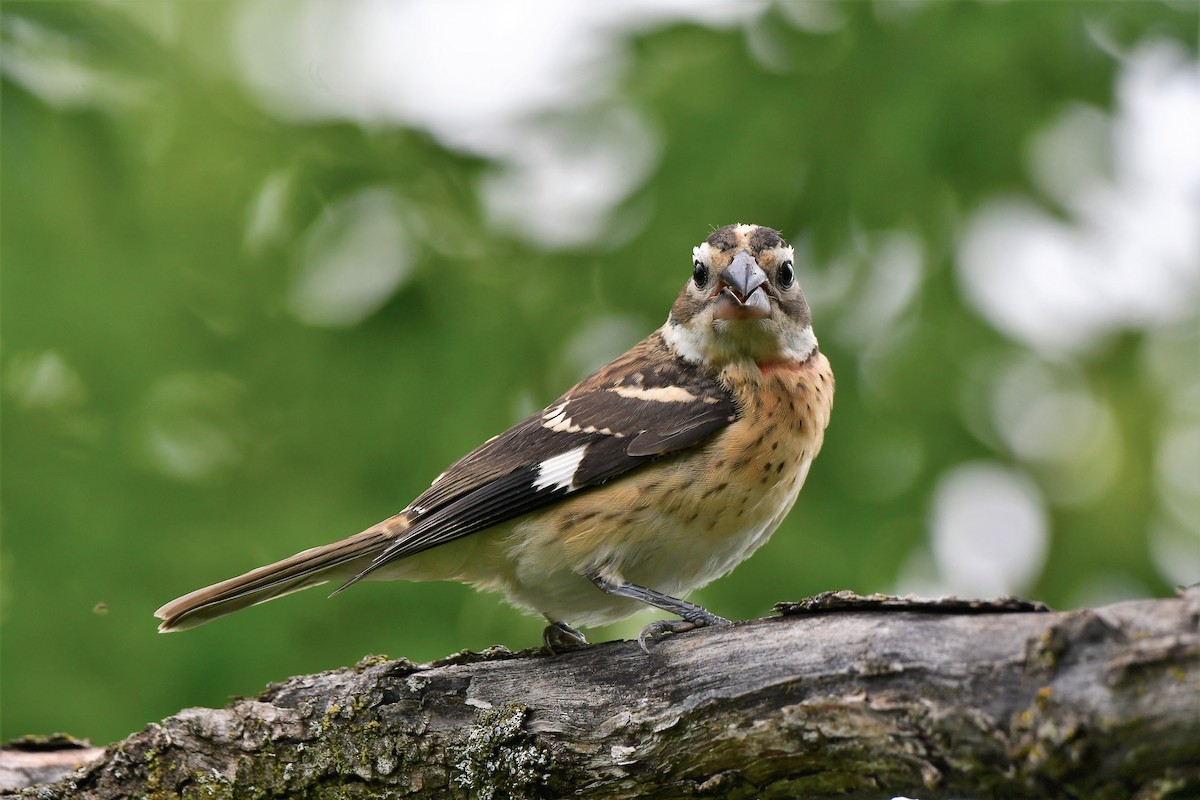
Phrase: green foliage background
{"type": "Point", "coordinates": [140, 318]}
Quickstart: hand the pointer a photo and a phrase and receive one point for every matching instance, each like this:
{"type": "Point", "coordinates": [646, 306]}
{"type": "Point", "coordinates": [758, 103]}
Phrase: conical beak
{"type": "Point", "coordinates": [743, 294]}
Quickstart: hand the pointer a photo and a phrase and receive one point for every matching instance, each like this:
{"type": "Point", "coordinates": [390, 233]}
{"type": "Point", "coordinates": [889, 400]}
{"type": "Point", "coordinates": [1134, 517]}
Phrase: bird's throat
{"type": "Point", "coordinates": [779, 365]}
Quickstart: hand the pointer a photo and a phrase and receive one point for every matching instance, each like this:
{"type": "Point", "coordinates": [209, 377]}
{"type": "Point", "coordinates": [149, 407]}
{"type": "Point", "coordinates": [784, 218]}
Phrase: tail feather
{"type": "Point", "coordinates": [312, 567]}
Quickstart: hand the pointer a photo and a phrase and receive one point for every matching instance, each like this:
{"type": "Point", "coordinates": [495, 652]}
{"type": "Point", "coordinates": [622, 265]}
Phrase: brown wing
{"type": "Point", "coordinates": [643, 405]}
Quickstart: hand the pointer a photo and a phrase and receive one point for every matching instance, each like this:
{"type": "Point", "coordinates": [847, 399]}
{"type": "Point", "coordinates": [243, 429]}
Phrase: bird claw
{"type": "Point", "coordinates": [667, 627]}
{"type": "Point", "coordinates": [559, 636]}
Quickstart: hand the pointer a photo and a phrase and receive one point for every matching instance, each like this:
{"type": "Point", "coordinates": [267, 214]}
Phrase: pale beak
{"type": "Point", "coordinates": [743, 294]}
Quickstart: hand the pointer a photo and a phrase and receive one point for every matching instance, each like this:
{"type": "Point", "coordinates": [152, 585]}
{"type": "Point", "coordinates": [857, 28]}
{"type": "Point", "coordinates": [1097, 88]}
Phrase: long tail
{"type": "Point", "coordinates": [339, 560]}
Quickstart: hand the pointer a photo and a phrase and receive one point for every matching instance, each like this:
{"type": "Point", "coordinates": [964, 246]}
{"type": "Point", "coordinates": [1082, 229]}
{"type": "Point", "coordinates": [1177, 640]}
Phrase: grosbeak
{"type": "Point", "coordinates": [653, 476]}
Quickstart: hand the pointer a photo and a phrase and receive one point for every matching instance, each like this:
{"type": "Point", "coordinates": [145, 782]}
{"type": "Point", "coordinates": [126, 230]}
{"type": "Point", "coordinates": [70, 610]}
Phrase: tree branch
{"type": "Point", "coordinates": [844, 697]}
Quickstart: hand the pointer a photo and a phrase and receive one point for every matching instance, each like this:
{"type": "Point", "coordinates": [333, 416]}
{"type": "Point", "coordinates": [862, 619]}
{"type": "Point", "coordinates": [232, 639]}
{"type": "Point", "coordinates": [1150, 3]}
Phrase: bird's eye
{"type": "Point", "coordinates": [787, 275]}
{"type": "Point", "coordinates": [699, 273]}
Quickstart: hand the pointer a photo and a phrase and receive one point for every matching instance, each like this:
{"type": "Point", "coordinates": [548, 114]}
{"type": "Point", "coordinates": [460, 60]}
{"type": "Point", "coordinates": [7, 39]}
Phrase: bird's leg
{"type": "Point", "coordinates": [694, 616]}
{"type": "Point", "coordinates": [561, 636]}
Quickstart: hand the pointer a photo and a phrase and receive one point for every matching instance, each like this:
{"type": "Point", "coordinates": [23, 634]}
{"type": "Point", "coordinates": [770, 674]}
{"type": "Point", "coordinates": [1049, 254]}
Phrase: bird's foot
{"type": "Point", "coordinates": [559, 636]}
{"type": "Point", "coordinates": [666, 627]}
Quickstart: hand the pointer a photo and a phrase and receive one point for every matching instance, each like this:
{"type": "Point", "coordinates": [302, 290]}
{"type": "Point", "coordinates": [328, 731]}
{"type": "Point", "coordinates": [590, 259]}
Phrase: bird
{"type": "Point", "coordinates": [653, 476]}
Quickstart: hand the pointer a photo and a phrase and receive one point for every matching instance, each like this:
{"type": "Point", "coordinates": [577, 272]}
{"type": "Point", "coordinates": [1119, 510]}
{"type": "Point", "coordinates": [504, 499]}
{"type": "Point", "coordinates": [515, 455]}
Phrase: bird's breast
{"type": "Point", "coordinates": [691, 517]}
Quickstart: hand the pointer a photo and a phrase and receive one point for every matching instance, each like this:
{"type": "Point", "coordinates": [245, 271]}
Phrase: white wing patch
{"type": "Point", "coordinates": [661, 394]}
{"type": "Point", "coordinates": [556, 419]}
{"type": "Point", "coordinates": [556, 411]}
{"type": "Point", "coordinates": [557, 472]}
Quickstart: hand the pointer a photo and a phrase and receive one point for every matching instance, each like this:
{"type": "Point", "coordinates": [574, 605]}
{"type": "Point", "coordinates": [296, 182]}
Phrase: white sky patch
{"type": "Point", "coordinates": [1047, 414]}
{"type": "Point", "coordinates": [43, 380]}
{"type": "Point", "coordinates": [988, 530]}
{"type": "Point", "coordinates": [55, 68]}
{"type": "Point", "coordinates": [560, 185]}
{"type": "Point", "coordinates": [1072, 156]}
{"type": "Point", "coordinates": [465, 70]}
{"type": "Point", "coordinates": [354, 258]}
{"type": "Point", "coordinates": [481, 77]}
{"type": "Point", "coordinates": [557, 472]}
{"type": "Point", "coordinates": [895, 266]}
{"type": "Point", "coordinates": [456, 69]}
{"type": "Point", "coordinates": [818, 17]}
{"type": "Point", "coordinates": [1128, 254]}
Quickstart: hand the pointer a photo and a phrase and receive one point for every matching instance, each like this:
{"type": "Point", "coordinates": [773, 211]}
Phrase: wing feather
{"type": "Point", "coordinates": [645, 405]}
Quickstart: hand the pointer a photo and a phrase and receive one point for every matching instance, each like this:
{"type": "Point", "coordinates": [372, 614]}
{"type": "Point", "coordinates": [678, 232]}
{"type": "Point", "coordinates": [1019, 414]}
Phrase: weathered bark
{"type": "Point", "coordinates": [33, 760]}
{"type": "Point", "coordinates": [833, 699]}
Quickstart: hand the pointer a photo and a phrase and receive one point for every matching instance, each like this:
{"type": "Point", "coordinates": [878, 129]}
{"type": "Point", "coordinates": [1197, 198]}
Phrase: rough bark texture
{"type": "Point", "coordinates": [845, 697]}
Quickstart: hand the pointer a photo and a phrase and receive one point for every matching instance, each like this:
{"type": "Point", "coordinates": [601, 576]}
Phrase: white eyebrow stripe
{"type": "Point", "coordinates": [660, 394]}
{"type": "Point", "coordinates": [558, 472]}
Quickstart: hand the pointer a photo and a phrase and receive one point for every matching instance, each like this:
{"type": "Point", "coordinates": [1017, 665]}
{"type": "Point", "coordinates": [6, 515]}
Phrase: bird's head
{"type": "Point", "coordinates": [742, 302]}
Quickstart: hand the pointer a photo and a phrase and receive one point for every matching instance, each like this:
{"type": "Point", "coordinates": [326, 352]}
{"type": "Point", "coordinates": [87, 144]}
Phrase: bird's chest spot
{"type": "Point", "coordinates": [763, 458]}
{"type": "Point", "coordinates": [694, 516]}
{"type": "Point", "coordinates": [777, 431]}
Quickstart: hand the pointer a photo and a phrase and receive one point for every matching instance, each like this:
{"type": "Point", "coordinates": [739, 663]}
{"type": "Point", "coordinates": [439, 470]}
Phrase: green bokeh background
{"type": "Point", "coordinates": [169, 422]}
